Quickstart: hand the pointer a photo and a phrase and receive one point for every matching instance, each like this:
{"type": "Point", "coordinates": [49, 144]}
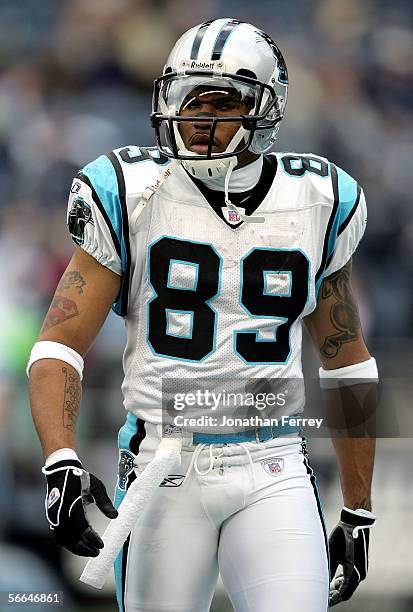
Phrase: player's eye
{"type": "Point", "coordinates": [191, 105]}
{"type": "Point", "coordinates": [226, 104]}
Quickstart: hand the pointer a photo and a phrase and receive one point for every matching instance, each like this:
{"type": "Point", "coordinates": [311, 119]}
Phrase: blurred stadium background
{"type": "Point", "coordinates": [75, 81]}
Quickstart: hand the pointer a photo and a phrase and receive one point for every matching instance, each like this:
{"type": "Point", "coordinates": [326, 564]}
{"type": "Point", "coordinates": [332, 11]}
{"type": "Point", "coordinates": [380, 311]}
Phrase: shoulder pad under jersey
{"type": "Point", "coordinates": [97, 210]}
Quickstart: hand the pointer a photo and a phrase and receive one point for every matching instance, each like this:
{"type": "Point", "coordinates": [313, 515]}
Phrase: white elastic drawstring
{"type": "Point", "coordinates": [195, 456]}
{"type": "Point", "coordinates": [231, 166]}
{"type": "Point", "coordinates": [248, 218]}
{"type": "Point", "coordinates": [148, 193]}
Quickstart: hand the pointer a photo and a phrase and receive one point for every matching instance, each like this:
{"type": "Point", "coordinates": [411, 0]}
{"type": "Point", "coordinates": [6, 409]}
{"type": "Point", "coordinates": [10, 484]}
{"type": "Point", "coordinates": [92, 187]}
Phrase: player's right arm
{"type": "Point", "coordinates": [88, 288]}
{"type": "Point", "coordinates": [78, 309]}
{"type": "Point", "coordinates": [80, 305]}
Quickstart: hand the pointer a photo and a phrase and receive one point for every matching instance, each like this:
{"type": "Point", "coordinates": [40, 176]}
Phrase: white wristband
{"type": "Point", "coordinates": [46, 349]}
{"type": "Point", "coordinates": [354, 374]}
{"type": "Point", "coordinates": [361, 512]}
{"type": "Point", "coordinates": [63, 454]}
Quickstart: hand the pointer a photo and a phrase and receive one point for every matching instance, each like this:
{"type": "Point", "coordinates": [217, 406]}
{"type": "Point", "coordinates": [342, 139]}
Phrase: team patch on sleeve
{"type": "Point", "coordinates": [79, 215]}
{"type": "Point", "coordinates": [90, 225]}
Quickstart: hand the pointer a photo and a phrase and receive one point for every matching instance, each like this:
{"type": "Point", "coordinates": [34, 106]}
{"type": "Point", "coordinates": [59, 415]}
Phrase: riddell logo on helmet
{"type": "Point", "coordinates": [195, 64]}
{"type": "Point", "coordinates": [207, 65]}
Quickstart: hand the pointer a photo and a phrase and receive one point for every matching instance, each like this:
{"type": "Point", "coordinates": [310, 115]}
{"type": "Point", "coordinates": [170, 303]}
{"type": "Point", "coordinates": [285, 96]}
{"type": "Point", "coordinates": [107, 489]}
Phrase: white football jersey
{"type": "Point", "coordinates": [202, 299]}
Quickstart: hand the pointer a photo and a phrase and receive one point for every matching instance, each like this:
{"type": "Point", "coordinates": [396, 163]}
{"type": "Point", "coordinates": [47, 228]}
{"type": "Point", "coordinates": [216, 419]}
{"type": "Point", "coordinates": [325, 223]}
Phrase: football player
{"type": "Point", "coordinates": [214, 251]}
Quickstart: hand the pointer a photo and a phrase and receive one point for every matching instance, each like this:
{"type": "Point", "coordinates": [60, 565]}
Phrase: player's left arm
{"type": "Point", "coordinates": [350, 399]}
{"type": "Point", "coordinates": [337, 335]}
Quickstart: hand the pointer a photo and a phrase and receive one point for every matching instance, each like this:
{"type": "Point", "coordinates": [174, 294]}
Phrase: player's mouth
{"type": "Point", "coordinates": [199, 143]}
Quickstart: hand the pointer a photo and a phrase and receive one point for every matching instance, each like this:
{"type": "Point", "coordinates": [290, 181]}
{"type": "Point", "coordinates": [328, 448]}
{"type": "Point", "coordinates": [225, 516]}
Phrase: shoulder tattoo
{"type": "Point", "coordinates": [73, 278]}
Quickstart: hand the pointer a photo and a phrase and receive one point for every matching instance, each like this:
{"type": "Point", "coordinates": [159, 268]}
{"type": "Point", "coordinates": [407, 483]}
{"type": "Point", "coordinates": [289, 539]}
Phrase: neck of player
{"type": "Point", "coordinates": [243, 178]}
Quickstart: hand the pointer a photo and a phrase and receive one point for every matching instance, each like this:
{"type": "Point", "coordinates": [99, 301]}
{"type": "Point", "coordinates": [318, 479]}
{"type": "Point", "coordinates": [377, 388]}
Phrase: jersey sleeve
{"type": "Point", "coordinates": [348, 221]}
{"type": "Point", "coordinates": [94, 215]}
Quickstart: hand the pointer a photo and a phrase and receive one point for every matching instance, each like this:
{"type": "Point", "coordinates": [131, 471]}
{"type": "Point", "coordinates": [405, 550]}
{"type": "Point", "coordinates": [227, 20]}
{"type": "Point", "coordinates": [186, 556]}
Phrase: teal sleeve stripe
{"type": "Point", "coordinates": [102, 176]}
{"type": "Point", "coordinates": [346, 198]}
{"type": "Point", "coordinates": [347, 192]}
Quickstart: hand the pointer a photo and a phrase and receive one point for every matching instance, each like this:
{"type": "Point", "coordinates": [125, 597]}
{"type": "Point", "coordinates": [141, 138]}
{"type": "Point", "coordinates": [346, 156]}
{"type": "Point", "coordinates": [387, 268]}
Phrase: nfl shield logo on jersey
{"type": "Point", "coordinates": [232, 216]}
{"type": "Point", "coordinates": [273, 466]}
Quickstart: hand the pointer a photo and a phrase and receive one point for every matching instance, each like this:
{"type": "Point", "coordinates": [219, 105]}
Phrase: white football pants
{"type": "Point", "coordinates": [249, 511]}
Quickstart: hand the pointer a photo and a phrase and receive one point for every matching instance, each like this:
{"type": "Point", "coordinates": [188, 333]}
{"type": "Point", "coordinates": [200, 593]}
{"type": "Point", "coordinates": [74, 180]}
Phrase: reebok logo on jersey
{"type": "Point", "coordinates": [53, 497]}
{"type": "Point", "coordinates": [172, 430]}
{"type": "Point", "coordinates": [75, 187]}
{"type": "Point", "coordinates": [273, 466]}
{"type": "Point", "coordinates": [173, 480]}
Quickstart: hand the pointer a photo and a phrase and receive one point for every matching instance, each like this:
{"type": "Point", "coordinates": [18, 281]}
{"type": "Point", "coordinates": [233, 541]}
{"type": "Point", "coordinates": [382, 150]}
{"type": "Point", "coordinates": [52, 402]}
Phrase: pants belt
{"type": "Point", "coordinates": [258, 434]}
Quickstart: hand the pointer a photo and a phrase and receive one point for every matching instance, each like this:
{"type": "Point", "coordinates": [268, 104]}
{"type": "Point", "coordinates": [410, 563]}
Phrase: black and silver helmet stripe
{"type": "Point", "coordinates": [222, 37]}
{"type": "Point", "coordinates": [198, 39]}
{"type": "Point", "coordinates": [283, 74]}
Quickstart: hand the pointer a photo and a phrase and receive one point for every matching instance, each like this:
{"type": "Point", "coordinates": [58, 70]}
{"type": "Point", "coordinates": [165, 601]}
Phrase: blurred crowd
{"type": "Point", "coordinates": [75, 81]}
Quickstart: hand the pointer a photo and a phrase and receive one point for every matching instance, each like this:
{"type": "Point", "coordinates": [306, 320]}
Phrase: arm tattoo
{"type": "Point", "coordinates": [343, 313]}
{"type": "Point", "coordinates": [71, 399]}
{"type": "Point", "coordinates": [73, 278]}
{"type": "Point", "coordinates": [60, 310]}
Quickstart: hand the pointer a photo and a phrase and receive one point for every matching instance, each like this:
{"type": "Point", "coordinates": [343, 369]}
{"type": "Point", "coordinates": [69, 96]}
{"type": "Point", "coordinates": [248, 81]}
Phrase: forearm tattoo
{"type": "Point", "coordinates": [71, 399]}
{"type": "Point", "coordinates": [60, 310]}
{"type": "Point", "coordinates": [343, 313]}
{"type": "Point", "coordinates": [73, 278]}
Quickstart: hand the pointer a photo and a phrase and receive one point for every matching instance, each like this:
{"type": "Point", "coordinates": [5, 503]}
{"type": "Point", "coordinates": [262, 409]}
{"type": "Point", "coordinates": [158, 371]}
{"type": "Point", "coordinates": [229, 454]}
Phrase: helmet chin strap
{"type": "Point", "coordinates": [214, 168]}
{"type": "Point", "coordinates": [248, 218]}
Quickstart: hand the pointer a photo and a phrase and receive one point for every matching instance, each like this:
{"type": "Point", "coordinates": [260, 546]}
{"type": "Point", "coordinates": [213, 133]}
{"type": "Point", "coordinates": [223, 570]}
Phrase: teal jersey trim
{"type": "Point", "coordinates": [347, 193]}
{"type": "Point", "coordinates": [125, 436]}
{"type": "Point", "coordinates": [102, 176]}
{"type": "Point", "coordinates": [106, 179]}
{"type": "Point", "coordinates": [346, 198]}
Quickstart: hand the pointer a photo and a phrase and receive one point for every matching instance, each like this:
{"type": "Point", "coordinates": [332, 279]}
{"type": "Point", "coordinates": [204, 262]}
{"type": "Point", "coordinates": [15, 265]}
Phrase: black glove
{"type": "Point", "coordinates": [69, 489]}
{"type": "Point", "coordinates": [349, 547]}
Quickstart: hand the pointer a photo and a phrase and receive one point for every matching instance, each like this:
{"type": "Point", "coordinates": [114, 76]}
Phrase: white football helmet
{"type": "Point", "coordinates": [232, 56]}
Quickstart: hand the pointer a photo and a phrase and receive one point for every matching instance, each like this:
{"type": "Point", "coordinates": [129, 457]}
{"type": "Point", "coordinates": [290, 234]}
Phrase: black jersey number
{"type": "Point", "coordinates": [181, 322]}
{"type": "Point", "coordinates": [298, 165]}
{"type": "Point", "coordinates": [186, 277]}
{"type": "Point", "coordinates": [275, 286]}
{"type": "Point", "coordinates": [132, 155]}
